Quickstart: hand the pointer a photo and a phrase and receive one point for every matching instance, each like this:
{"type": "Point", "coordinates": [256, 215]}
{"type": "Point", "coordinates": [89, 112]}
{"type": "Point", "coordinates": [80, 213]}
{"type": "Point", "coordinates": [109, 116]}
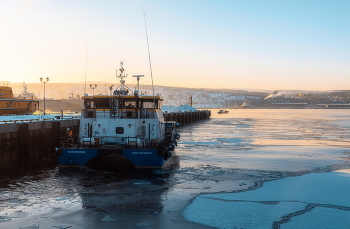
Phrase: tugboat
{"type": "Point", "coordinates": [123, 125]}
{"type": "Point", "coordinates": [23, 104]}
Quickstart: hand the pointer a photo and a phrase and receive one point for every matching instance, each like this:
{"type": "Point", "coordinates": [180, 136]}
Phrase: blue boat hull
{"type": "Point", "coordinates": [141, 158]}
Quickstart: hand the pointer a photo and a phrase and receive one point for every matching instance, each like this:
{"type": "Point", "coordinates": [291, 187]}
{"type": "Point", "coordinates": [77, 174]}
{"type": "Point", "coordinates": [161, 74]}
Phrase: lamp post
{"type": "Point", "coordinates": [170, 96]}
{"type": "Point", "coordinates": [44, 82]}
{"type": "Point", "coordinates": [93, 88]}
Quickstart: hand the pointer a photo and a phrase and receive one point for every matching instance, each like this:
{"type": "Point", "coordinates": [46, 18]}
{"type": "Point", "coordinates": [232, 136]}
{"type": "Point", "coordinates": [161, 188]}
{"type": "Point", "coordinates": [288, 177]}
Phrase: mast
{"type": "Point", "coordinates": [122, 75]}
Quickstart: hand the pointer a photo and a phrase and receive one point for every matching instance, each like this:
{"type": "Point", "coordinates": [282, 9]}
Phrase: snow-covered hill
{"type": "Point", "coordinates": [201, 97]}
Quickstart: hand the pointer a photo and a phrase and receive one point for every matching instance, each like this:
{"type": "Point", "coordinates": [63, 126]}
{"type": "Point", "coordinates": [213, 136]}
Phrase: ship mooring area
{"type": "Point", "coordinates": [34, 141]}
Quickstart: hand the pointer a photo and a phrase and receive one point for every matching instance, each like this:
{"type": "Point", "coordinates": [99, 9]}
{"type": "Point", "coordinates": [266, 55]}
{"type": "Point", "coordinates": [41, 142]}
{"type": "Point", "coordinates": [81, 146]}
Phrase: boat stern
{"type": "Point", "coordinates": [75, 157]}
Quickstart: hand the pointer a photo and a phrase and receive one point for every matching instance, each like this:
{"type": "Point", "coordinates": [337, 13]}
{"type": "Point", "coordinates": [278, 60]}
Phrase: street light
{"type": "Point", "coordinates": [93, 88]}
{"type": "Point", "coordinates": [170, 96]}
{"type": "Point", "coordinates": [44, 82]}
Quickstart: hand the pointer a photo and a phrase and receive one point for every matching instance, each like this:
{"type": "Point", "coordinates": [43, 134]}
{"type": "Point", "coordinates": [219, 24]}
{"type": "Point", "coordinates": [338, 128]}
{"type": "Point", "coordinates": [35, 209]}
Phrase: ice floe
{"type": "Point", "coordinates": [293, 202]}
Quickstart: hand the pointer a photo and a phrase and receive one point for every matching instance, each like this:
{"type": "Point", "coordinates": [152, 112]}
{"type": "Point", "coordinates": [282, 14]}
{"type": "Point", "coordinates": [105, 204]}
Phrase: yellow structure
{"type": "Point", "coordinates": [24, 103]}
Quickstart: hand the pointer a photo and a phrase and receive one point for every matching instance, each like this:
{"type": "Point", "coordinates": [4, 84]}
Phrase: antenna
{"type": "Point", "coordinates": [122, 75]}
{"type": "Point", "coordinates": [149, 55]}
{"type": "Point", "coordinates": [105, 85]}
{"type": "Point", "coordinates": [87, 48]}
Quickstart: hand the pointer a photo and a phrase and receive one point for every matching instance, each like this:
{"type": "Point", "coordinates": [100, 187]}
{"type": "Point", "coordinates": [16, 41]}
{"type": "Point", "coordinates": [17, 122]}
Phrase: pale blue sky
{"type": "Point", "coordinates": [252, 44]}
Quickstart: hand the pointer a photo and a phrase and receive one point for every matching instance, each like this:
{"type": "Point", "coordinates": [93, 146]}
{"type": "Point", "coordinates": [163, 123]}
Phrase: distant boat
{"type": "Point", "coordinates": [22, 104]}
{"type": "Point", "coordinates": [222, 111]}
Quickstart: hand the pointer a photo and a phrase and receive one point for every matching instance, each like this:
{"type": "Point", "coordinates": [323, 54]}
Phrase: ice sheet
{"type": "Point", "coordinates": [285, 198]}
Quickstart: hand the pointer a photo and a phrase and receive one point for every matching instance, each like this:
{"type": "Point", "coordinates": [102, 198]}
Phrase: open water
{"type": "Point", "coordinates": [232, 152]}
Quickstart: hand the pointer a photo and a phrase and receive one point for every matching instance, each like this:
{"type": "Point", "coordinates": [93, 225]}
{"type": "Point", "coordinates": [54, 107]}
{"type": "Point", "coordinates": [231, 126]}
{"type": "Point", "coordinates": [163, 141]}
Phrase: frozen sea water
{"type": "Point", "coordinates": [244, 152]}
{"type": "Point", "coordinates": [320, 217]}
{"type": "Point", "coordinates": [308, 201]}
{"type": "Point", "coordinates": [289, 140]}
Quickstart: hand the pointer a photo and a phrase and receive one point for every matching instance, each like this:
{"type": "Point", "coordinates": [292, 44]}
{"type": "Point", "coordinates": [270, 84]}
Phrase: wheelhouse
{"type": "Point", "coordinates": [122, 106]}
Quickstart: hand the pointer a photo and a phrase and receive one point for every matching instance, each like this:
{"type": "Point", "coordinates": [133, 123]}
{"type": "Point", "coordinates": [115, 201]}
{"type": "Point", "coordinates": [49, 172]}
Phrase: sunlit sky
{"type": "Point", "coordinates": [250, 44]}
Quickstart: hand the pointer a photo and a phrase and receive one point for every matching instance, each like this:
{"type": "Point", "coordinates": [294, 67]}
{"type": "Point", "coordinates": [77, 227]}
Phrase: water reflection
{"type": "Point", "coordinates": [141, 192]}
{"type": "Point", "coordinates": [32, 191]}
{"type": "Point", "coordinates": [23, 170]}
{"type": "Point", "coordinates": [137, 192]}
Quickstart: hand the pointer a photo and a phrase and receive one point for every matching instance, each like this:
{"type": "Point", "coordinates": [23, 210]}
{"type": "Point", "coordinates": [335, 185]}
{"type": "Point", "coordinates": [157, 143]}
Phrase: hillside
{"type": "Point", "coordinates": [201, 98]}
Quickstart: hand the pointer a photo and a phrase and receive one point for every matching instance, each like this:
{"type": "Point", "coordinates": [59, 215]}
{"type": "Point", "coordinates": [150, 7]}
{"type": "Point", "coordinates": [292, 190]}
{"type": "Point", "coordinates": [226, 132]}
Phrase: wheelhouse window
{"type": "Point", "coordinates": [89, 104]}
{"type": "Point", "coordinates": [148, 104]}
{"type": "Point", "coordinates": [98, 103]}
{"type": "Point", "coordinates": [151, 103]}
{"type": "Point", "coordinates": [130, 104]}
{"type": "Point", "coordinates": [101, 103]}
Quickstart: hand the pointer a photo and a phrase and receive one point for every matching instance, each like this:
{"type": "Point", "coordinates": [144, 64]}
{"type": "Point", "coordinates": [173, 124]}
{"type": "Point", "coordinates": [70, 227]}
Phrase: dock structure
{"type": "Point", "coordinates": [187, 116]}
{"type": "Point", "coordinates": [32, 141]}
{"type": "Point", "coordinates": [35, 141]}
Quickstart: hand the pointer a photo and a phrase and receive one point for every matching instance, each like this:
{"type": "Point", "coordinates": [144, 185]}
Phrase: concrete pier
{"type": "Point", "coordinates": [35, 141]}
